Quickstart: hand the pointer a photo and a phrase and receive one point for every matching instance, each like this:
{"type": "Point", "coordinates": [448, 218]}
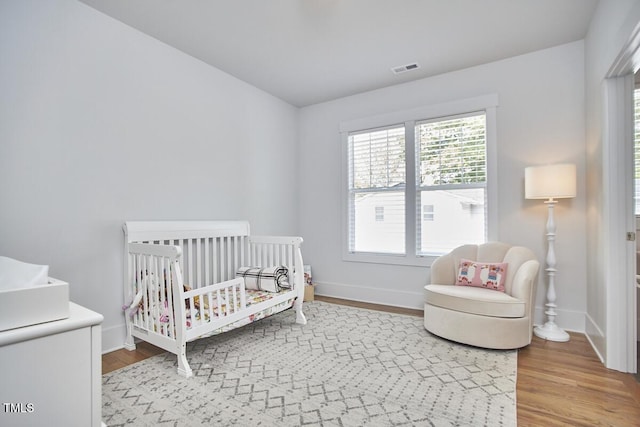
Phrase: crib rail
{"type": "Point", "coordinates": [217, 301]}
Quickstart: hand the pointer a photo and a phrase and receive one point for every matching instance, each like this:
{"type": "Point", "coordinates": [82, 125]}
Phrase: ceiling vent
{"type": "Point", "coordinates": [404, 68]}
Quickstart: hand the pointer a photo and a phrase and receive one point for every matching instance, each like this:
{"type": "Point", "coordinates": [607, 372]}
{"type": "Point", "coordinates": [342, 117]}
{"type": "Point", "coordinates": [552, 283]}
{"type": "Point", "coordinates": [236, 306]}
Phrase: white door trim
{"type": "Point", "coordinates": [619, 253]}
{"type": "Point", "coordinates": [618, 209]}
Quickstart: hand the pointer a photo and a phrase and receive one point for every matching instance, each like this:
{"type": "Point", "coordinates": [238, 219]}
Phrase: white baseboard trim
{"type": "Point", "coordinates": [567, 319]}
{"type": "Point", "coordinates": [371, 295]}
{"type": "Point", "coordinates": [596, 338]}
{"type": "Point", "coordinates": [573, 321]}
{"type": "Point", "coordinates": [113, 338]}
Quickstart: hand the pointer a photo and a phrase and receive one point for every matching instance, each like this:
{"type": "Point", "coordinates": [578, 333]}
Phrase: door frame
{"type": "Point", "coordinates": [618, 209]}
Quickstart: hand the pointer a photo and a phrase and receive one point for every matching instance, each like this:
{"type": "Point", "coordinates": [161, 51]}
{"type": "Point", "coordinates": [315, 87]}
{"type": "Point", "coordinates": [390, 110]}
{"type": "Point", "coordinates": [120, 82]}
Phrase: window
{"type": "Point", "coordinates": [451, 154]}
{"type": "Point", "coordinates": [435, 158]}
{"type": "Point", "coordinates": [427, 213]}
{"type": "Point", "coordinates": [377, 179]}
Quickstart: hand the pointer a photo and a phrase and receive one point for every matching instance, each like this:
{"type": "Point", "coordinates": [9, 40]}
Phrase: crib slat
{"type": "Point", "coordinates": [210, 303]}
{"type": "Point", "coordinates": [234, 264]}
{"type": "Point", "coordinates": [143, 285]}
{"type": "Point", "coordinates": [214, 258]}
{"type": "Point", "coordinates": [168, 267]}
{"type": "Point", "coordinates": [145, 292]}
{"type": "Point", "coordinates": [207, 263]}
{"type": "Point", "coordinates": [189, 255]}
{"type": "Point", "coordinates": [191, 303]}
{"type": "Point", "coordinates": [243, 296]}
{"type": "Point", "coordinates": [239, 255]}
{"type": "Point", "coordinates": [223, 252]}
{"type": "Point", "coordinates": [199, 266]}
{"type": "Point", "coordinates": [229, 258]}
{"type": "Point", "coordinates": [219, 303]}
{"type": "Point", "coordinates": [138, 286]}
{"type": "Point", "coordinates": [157, 293]}
{"type": "Point", "coordinates": [181, 246]}
{"type": "Point", "coordinates": [152, 294]}
{"type": "Point", "coordinates": [234, 295]}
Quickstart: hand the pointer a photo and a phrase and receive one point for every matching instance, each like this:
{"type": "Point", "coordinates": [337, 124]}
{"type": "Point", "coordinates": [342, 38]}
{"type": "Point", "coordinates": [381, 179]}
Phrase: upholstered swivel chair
{"type": "Point", "coordinates": [478, 315]}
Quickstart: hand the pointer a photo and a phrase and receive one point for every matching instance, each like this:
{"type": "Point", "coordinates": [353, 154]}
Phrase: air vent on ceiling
{"type": "Point", "coordinates": [404, 68]}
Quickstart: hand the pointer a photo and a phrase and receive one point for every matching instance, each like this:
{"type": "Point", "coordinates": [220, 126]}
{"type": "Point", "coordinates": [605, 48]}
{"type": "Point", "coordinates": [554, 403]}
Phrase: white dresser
{"type": "Point", "coordinates": [51, 373]}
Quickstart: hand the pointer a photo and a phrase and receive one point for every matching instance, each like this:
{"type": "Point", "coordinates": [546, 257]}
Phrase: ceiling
{"type": "Point", "coordinates": [310, 51]}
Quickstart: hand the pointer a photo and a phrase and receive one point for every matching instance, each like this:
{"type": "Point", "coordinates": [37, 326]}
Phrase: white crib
{"type": "Point", "coordinates": [180, 284]}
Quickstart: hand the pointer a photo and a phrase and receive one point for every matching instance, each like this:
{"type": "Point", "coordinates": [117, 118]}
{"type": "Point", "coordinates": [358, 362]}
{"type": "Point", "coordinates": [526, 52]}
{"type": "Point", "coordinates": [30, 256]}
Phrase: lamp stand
{"type": "Point", "coordinates": [550, 331]}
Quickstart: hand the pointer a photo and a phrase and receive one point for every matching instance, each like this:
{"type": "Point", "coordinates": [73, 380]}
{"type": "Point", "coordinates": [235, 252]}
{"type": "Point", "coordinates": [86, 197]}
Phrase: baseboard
{"type": "Point", "coordinates": [566, 319]}
{"type": "Point", "coordinates": [569, 320]}
{"type": "Point", "coordinates": [371, 295]}
{"type": "Point", "coordinates": [113, 338]}
{"type": "Point", "coordinates": [596, 338]}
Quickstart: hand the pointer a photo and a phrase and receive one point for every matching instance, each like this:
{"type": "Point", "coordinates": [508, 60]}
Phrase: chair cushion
{"type": "Point", "coordinates": [483, 302]}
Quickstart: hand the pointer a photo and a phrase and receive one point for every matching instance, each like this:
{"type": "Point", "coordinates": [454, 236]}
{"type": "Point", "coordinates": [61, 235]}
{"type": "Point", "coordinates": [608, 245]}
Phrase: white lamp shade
{"type": "Point", "coordinates": [550, 182]}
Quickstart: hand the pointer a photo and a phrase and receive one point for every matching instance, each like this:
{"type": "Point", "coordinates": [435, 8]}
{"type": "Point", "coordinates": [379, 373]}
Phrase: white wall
{"type": "Point", "coordinates": [610, 29]}
{"type": "Point", "coordinates": [540, 119]}
{"type": "Point", "coordinates": [100, 124]}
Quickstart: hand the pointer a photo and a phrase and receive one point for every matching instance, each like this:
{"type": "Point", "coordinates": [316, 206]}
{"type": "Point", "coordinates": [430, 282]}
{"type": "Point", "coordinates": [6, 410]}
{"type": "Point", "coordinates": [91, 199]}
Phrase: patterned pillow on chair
{"type": "Point", "coordinates": [482, 274]}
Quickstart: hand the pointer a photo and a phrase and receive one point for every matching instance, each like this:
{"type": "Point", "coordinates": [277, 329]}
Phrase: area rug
{"type": "Point", "coordinates": [347, 367]}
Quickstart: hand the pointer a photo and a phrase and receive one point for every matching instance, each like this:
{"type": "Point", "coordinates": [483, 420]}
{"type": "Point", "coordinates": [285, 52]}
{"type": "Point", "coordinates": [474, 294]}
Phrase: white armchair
{"type": "Point", "coordinates": [478, 316]}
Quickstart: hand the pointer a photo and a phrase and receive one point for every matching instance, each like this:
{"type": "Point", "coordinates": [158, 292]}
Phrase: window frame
{"type": "Point", "coordinates": [487, 104]}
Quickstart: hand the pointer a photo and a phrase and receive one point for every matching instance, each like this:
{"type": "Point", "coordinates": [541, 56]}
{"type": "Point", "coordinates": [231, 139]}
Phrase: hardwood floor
{"type": "Point", "coordinates": [559, 384]}
{"type": "Point", "coordinates": [121, 358]}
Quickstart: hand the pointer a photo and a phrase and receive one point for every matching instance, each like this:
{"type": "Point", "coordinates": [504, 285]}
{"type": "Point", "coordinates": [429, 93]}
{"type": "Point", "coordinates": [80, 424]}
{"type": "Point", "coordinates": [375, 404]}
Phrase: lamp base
{"type": "Point", "coordinates": [550, 331]}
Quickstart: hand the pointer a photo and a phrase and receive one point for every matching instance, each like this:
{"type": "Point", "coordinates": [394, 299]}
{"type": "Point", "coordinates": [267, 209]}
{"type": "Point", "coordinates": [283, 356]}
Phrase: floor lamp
{"type": "Point", "coordinates": [550, 183]}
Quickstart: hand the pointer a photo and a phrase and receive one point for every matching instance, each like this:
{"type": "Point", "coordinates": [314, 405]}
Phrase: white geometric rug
{"type": "Point", "coordinates": [347, 367]}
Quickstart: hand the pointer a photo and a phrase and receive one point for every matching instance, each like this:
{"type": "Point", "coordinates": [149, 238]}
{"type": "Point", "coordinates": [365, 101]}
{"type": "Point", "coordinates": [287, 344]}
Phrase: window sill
{"type": "Point", "coordinates": [376, 258]}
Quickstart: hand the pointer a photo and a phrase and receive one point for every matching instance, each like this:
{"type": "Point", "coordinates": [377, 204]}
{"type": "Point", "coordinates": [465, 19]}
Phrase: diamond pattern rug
{"type": "Point", "coordinates": [347, 367]}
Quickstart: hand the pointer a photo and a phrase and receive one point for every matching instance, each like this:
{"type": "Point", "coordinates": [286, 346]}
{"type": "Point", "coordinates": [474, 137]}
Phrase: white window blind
{"type": "Point", "coordinates": [452, 175]}
{"type": "Point", "coordinates": [377, 184]}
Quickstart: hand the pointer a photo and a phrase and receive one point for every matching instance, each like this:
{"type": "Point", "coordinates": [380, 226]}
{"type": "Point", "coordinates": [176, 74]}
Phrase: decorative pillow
{"type": "Point", "coordinates": [482, 274]}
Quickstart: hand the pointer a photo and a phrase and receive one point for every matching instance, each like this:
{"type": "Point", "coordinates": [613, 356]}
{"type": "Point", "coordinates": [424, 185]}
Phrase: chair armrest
{"type": "Point", "coordinates": [525, 283]}
{"type": "Point", "coordinates": [443, 270]}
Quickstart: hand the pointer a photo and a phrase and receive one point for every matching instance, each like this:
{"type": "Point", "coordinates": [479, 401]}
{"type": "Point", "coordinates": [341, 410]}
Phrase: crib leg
{"type": "Point", "coordinates": [183, 365]}
{"type": "Point", "coordinates": [297, 305]}
{"type": "Point", "coordinates": [129, 343]}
